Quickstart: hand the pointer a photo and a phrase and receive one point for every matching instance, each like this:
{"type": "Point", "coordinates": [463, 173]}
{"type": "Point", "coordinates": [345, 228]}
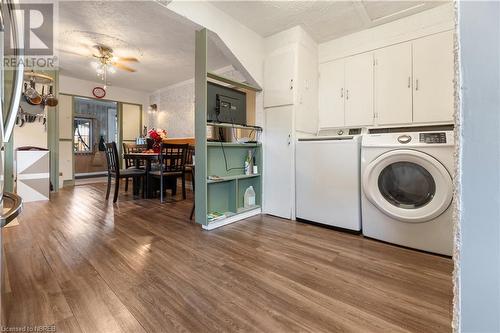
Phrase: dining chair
{"type": "Point", "coordinates": [172, 166]}
{"type": "Point", "coordinates": [115, 172]}
{"type": "Point", "coordinates": [192, 182]}
{"type": "Point", "coordinates": [130, 162]}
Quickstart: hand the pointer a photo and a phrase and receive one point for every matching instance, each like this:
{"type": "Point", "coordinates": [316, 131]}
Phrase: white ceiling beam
{"type": "Point", "coordinates": [363, 14]}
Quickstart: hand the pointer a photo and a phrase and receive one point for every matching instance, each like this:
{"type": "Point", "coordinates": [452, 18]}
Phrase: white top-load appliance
{"type": "Point", "coordinates": [327, 179]}
{"type": "Point", "coordinates": [407, 182]}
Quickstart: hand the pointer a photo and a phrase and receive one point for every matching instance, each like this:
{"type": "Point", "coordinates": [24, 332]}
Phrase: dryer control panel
{"type": "Point", "coordinates": [435, 137]}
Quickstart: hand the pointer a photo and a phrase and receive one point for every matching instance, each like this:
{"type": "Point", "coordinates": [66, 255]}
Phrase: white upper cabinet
{"type": "Point", "coordinates": [433, 74]}
{"type": "Point", "coordinates": [331, 94]}
{"type": "Point", "coordinates": [279, 75]}
{"type": "Point", "coordinates": [359, 90]}
{"type": "Point", "coordinates": [393, 85]}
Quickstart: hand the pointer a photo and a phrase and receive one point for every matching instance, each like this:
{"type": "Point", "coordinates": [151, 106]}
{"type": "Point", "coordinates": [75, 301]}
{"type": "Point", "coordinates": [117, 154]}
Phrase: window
{"type": "Point", "coordinates": [82, 139]}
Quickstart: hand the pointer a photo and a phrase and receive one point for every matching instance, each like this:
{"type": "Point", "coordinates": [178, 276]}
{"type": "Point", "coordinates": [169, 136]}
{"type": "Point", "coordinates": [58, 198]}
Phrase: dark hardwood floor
{"type": "Point", "coordinates": [85, 265]}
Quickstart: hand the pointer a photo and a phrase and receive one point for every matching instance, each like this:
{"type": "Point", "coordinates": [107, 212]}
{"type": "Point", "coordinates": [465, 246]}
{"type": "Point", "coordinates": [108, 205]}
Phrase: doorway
{"type": "Point", "coordinates": [95, 122]}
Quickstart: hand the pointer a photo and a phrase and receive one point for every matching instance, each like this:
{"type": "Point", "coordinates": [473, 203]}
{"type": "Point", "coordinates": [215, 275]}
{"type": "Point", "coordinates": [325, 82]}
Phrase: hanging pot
{"type": "Point", "coordinates": [32, 96]}
{"type": "Point", "coordinates": [50, 99]}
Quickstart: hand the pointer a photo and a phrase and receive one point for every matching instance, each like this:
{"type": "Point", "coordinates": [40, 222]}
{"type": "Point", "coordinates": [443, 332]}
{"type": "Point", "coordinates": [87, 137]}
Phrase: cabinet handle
{"type": "Point", "coordinates": [291, 84]}
{"type": "Point", "coordinates": [409, 81]}
{"type": "Point", "coordinates": [416, 84]}
{"type": "Point", "coordinates": [341, 92]}
{"type": "Point", "coordinates": [347, 94]}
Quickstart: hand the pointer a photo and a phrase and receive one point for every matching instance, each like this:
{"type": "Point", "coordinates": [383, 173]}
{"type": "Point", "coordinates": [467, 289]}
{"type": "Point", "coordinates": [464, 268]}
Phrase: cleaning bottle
{"type": "Point", "coordinates": [248, 163]}
{"type": "Point", "coordinates": [249, 197]}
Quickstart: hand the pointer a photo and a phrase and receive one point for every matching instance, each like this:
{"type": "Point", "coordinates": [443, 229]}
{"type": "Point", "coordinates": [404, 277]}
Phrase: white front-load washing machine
{"type": "Point", "coordinates": [407, 189]}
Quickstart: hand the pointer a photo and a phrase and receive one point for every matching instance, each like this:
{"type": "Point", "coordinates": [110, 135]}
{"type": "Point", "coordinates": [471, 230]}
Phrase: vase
{"type": "Point", "coordinates": [156, 146]}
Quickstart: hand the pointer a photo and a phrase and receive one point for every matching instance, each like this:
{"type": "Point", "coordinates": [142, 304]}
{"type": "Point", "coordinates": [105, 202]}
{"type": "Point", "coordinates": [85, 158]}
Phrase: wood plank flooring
{"type": "Point", "coordinates": [85, 265]}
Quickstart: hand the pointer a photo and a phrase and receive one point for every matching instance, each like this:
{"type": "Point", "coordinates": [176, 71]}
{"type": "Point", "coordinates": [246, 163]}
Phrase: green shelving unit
{"type": "Point", "coordinates": [221, 159]}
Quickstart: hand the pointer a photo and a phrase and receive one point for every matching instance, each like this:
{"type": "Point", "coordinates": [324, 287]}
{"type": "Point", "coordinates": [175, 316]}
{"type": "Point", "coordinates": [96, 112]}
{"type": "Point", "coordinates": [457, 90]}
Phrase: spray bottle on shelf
{"type": "Point", "coordinates": [248, 163]}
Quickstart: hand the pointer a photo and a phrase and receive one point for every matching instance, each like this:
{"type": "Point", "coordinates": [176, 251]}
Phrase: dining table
{"type": "Point", "coordinates": [148, 159]}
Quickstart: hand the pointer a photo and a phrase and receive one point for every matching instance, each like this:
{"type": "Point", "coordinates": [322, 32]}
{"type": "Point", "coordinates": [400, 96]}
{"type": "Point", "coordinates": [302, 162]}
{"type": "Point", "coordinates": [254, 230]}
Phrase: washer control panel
{"type": "Point", "coordinates": [436, 137]}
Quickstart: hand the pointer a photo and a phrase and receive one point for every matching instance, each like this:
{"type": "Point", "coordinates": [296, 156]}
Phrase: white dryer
{"type": "Point", "coordinates": [327, 179]}
{"type": "Point", "coordinates": [407, 189]}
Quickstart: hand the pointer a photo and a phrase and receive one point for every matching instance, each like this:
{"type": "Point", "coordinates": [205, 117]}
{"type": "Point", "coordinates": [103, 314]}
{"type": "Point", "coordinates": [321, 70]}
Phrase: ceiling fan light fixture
{"type": "Point", "coordinates": [111, 69]}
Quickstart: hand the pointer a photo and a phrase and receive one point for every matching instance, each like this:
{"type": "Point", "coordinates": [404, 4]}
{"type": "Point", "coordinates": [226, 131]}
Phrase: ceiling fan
{"type": "Point", "coordinates": [106, 62]}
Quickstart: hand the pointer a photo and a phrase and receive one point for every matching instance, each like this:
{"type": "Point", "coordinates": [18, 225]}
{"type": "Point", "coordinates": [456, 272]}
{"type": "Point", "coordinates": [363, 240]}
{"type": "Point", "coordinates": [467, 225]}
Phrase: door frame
{"type": "Point", "coordinates": [119, 113]}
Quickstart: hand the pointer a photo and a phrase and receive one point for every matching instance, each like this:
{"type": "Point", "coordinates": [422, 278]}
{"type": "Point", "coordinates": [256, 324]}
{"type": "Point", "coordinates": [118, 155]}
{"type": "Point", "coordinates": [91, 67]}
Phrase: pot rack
{"type": "Point", "coordinates": [38, 78]}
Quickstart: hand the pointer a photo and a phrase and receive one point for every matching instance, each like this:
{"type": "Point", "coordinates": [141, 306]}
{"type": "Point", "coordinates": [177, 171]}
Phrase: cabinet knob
{"type": "Point", "coordinates": [409, 81]}
{"type": "Point", "coordinates": [416, 84]}
{"type": "Point", "coordinates": [347, 94]}
{"type": "Point", "coordinates": [291, 84]}
{"type": "Point", "coordinates": [341, 92]}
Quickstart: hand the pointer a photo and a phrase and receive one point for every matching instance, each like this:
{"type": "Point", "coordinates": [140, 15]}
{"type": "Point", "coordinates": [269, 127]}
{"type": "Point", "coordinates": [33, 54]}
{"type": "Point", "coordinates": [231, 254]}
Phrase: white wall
{"type": "Point", "coordinates": [245, 44]}
{"type": "Point", "coordinates": [176, 106]}
{"type": "Point", "coordinates": [31, 134]}
{"type": "Point", "coordinates": [429, 22]}
{"type": "Point", "coordinates": [73, 86]}
{"type": "Point", "coordinates": [479, 261]}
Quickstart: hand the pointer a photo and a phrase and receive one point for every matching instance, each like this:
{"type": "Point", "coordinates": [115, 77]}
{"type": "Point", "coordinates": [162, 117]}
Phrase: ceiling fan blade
{"type": "Point", "coordinates": [123, 67]}
{"type": "Point", "coordinates": [128, 59]}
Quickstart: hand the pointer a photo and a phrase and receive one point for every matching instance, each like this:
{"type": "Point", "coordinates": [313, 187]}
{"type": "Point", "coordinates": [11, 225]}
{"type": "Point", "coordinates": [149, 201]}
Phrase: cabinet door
{"type": "Point", "coordinates": [279, 73]}
{"type": "Point", "coordinates": [359, 90]}
{"type": "Point", "coordinates": [278, 175]}
{"type": "Point", "coordinates": [433, 73]}
{"type": "Point", "coordinates": [331, 94]}
{"type": "Point", "coordinates": [393, 92]}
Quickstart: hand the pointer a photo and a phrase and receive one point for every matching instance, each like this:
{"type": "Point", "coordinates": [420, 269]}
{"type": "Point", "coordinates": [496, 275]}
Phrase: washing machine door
{"type": "Point", "coordinates": [408, 185]}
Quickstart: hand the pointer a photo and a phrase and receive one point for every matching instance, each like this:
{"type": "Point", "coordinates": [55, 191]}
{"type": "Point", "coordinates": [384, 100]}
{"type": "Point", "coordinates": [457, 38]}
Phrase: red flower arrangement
{"type": "Point", "coordinates": [157, 135]}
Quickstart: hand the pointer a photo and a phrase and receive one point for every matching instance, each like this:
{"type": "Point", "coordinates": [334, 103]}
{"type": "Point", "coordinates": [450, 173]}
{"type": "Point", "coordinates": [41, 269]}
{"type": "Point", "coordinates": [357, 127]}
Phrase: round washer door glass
{"type": "Point", "coordinates": [407, 185]}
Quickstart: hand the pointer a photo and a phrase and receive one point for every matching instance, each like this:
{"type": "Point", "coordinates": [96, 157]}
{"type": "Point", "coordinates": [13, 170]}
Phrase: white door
{"type": "Point", "coordinates": [279, 73]}
{"type": "Point", "coordinates": [433, 74]}
{"type": "Point", "coordinates": [393, 92]}
{"type": "Point", "coordinates": [278, 171]}
{"type": "Point", "coordinates": [331, 94]}
{"type": "Point", "coordinates": [359, 90]}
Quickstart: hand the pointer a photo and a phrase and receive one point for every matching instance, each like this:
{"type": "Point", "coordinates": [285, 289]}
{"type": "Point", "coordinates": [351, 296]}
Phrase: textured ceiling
{"type": "Point", "coordinates": [162, 41]}
{"type": "Point", "coordinates": [323, 20]}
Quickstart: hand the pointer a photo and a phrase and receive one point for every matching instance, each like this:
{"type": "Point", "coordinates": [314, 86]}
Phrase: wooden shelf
{"type": "Point", "coordinates": [230, 178]}
{"type": "Point", "coordinates": [233, 144]}
{"type": "Point", "coordinates": [250, 128]}
{"type": "Point", "coordinates": [233, 217]}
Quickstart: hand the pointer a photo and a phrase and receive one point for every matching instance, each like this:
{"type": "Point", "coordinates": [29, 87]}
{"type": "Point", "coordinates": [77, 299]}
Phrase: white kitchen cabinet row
{"type": "Point", "coordinates": [408, 83]}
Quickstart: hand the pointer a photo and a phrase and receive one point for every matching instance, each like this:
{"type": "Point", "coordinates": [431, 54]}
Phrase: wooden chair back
{"type": "Point", "coordinates": [112, 158]}
{"type": "Point", "coordinates": [173, 157]}
{"type": "Point", "coordinates": [189, 155]}
{"type": "Point", "coordinates": [133, 148]}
